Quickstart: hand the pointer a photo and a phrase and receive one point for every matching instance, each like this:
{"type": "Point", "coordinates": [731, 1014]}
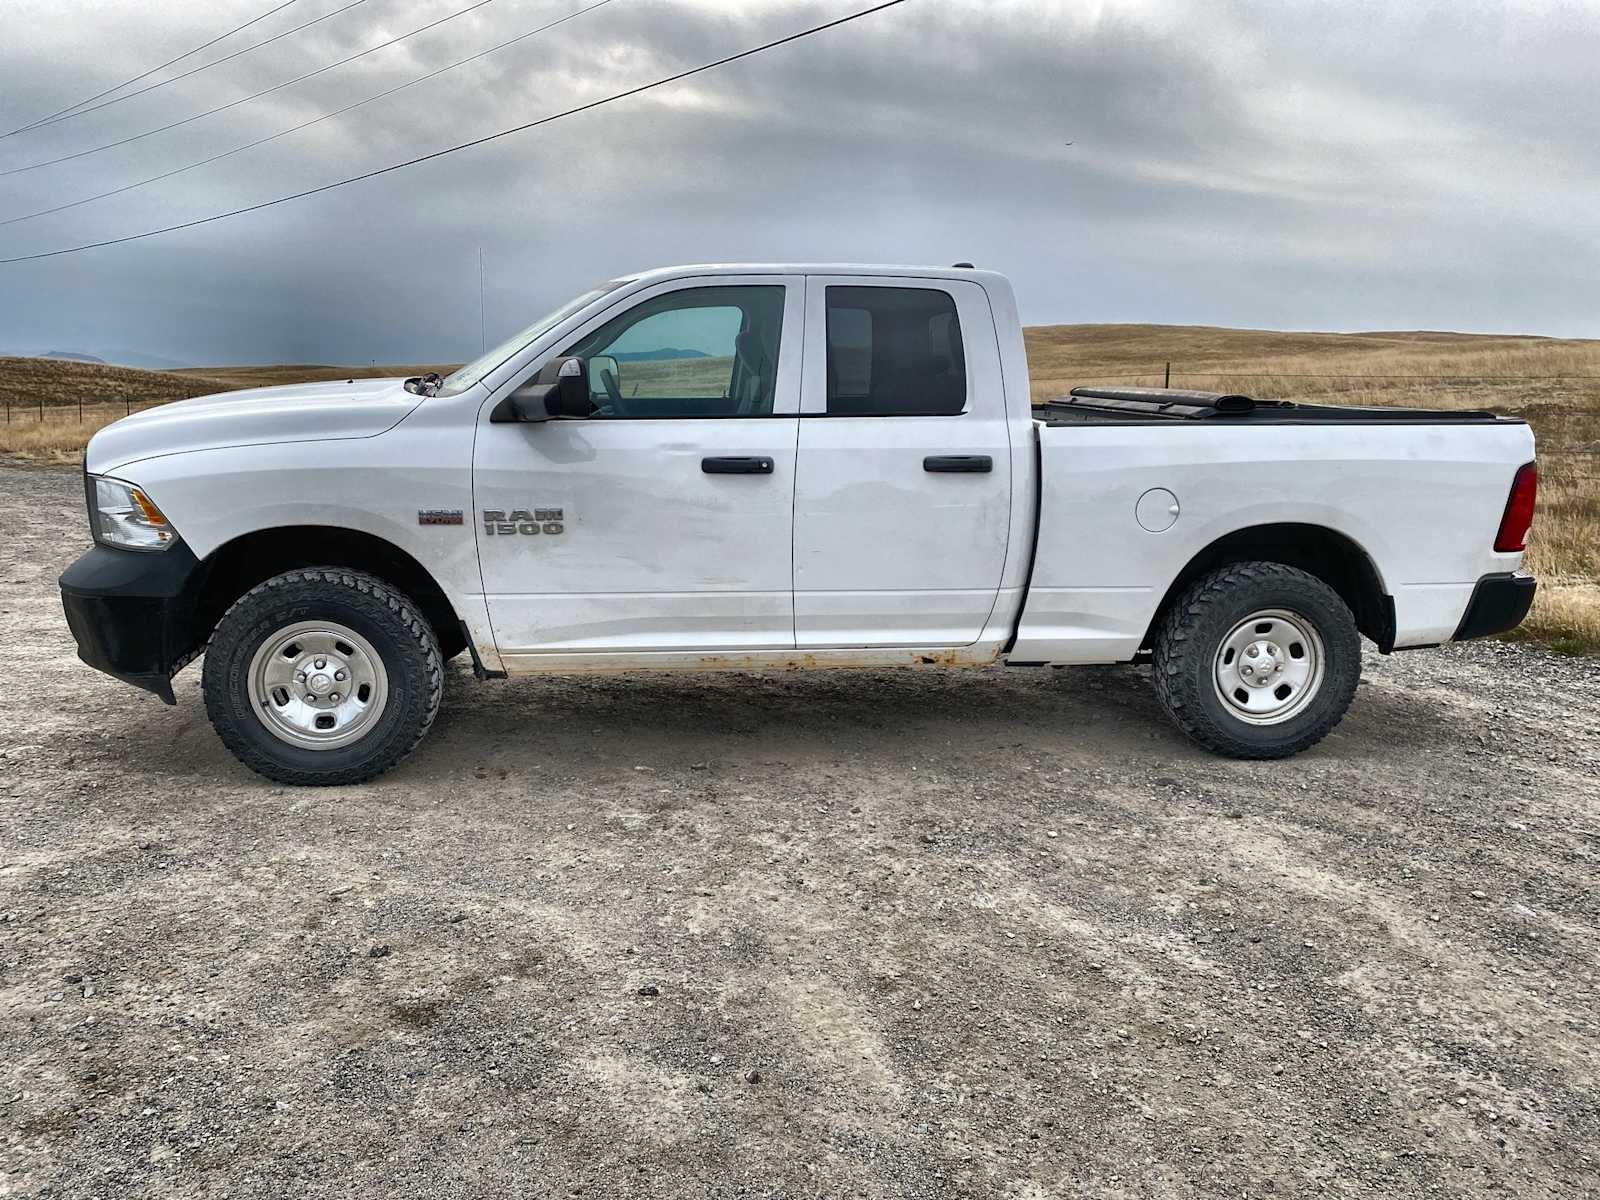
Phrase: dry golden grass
{"type": "Point", "coordinates": [675, 376]}
{"type": "Point", "coordinates": [1201, 356]}
{"type": "Point", "coordinates": [1566, 618]}
{"type": "Point", "coordinates": [41, 399]}
{"type": "Point", "coordinates": [26, 382]}
{"type": "Point", "coordinates": [51, 441]}
{"type": "Point", "coordinates": [1553, 383]}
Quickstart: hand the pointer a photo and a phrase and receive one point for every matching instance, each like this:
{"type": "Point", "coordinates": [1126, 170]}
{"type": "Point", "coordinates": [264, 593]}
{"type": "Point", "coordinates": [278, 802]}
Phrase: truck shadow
{"type": "Point", "coordinates": [796, 703]}
{"type": "Point", "coordinates": [594, 726]}
{"type": "Point", "coordinates": [1090, 715]}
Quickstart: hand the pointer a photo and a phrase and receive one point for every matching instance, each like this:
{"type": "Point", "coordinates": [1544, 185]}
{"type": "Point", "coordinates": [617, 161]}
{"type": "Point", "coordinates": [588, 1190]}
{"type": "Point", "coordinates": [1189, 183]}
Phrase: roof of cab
{"type": "Point", "coordinates": [869, 269]}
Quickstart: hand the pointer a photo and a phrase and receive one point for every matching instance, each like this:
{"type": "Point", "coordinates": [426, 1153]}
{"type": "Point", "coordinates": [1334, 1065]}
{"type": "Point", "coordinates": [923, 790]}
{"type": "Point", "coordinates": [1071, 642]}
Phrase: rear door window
{"type": "Point", "coordinates": [894, 352]}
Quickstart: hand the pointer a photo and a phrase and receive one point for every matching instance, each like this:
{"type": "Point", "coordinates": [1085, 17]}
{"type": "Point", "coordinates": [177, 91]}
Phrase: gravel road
{"type": "Point", "coordinates": [854, 934]}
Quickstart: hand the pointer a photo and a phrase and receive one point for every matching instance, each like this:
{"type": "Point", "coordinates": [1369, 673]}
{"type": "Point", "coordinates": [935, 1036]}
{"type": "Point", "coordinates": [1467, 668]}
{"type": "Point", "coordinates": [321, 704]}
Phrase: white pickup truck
{"type": "Point", "coordinates": [775, 467]}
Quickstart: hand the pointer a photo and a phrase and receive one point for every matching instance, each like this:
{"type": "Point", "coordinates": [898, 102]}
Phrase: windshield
{"type": "Point", "coordinates": [462, 378]}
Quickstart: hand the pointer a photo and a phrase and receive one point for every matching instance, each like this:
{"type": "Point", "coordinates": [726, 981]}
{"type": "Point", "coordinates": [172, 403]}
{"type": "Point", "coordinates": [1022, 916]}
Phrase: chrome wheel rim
{"type": "Point", "coordinates": [1269, 667]}
{"type": "Point", "coordinates": [318, 685]}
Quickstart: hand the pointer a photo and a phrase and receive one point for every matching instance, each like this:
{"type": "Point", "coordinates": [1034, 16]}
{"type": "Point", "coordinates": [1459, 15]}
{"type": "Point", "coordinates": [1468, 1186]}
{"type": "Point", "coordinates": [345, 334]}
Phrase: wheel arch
{"type": "Point", "coordinates": [1333, 557]}
{"type": "Point", "coordinates": [235, 567]}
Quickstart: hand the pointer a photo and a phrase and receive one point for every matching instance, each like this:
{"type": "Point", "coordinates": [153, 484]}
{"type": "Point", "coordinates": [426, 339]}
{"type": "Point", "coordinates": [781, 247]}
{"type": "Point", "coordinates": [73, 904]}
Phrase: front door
{"type": "Point", "coordinates": [664, 522]}
{"type": "Point", "coordinates": [903, 488]}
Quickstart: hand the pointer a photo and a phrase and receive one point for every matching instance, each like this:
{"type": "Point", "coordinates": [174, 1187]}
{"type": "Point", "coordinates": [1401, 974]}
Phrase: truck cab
{"type": "Point", "coordinates": [733, 500]}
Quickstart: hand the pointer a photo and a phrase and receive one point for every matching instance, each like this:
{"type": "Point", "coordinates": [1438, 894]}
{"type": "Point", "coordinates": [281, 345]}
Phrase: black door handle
{"type": "Point", "coordinates": [737, 465]}
{"type": "Point", "coordinates": [949, 464]}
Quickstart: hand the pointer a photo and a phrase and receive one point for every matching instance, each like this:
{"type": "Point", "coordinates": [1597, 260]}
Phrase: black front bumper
{"type": "Point", "coordinates": [131, 613]}
{"type": "Point", "coordinates": [1498, 603]}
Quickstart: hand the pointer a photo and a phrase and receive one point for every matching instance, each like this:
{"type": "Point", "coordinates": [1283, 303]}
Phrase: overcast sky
{"type": "Point", "coordinates": [1352, 165]}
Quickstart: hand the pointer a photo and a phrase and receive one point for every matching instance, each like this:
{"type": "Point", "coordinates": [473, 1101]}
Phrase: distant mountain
{"type": "Point", "coordinates": [72, 356]}
{"type": "Point", "coordinates": [117, 357]}
{"type": "Point", "coordinates": [135, 358]}
{"type": "Point", "coordinates": [657, 355]}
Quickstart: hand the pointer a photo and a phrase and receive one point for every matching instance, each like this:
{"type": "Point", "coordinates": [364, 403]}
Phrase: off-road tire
{"type": "Point", "coordinates": [1189, 638]}
{"type": "Point", "coordinates": [388, 620]}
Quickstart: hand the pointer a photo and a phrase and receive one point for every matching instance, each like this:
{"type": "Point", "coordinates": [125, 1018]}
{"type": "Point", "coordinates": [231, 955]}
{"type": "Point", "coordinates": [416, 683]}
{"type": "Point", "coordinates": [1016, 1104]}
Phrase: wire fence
{"type": "Point", "coordinates": [77, 411]}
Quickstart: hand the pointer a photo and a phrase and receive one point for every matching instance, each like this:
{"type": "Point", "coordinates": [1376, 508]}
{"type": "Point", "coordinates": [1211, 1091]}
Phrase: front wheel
{"type": "Point", "coordinates": [1257, 660]}
{"type": "Point", "coordinates": [322, 676]}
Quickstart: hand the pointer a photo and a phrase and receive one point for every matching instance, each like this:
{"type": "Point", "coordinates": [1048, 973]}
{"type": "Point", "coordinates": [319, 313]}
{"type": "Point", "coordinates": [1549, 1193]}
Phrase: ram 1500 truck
{"type": "Point", "coordinates": [775, 467]}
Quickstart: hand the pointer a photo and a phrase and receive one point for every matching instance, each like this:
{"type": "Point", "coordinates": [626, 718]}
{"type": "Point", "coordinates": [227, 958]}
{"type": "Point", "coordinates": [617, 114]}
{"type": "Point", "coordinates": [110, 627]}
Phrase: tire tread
{"type": "Point", "coordinates": [282, 588]}
{"type": "Point", "coordinates": [1179, 643]}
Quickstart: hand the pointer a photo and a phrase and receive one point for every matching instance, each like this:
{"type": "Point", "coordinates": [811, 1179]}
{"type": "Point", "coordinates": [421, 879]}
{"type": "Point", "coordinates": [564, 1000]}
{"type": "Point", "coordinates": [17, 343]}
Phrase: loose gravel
{"type": "Point", "coordinates": [922, 934]}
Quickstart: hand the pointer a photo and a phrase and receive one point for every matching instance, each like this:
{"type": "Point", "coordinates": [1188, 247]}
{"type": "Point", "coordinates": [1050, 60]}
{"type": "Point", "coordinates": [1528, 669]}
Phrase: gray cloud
{"type": "Point", "coordinates": [1290, 165]}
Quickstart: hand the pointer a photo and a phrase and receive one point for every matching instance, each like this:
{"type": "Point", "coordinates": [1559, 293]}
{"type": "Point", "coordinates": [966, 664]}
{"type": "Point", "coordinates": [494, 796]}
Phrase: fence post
{"type": "Point", "coordinates": [41, 408]}
{"type": "Point", "coordinates": [80, 410]}
{"type": "Point", "coordinates": [1168, 381]}
{"type": "Point", "coordinates": [127, 405]}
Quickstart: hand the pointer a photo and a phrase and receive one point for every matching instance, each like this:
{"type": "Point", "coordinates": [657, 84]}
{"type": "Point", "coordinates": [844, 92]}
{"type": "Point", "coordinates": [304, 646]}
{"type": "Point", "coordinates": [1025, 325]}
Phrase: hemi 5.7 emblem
{"type": "Point", "coordinates": [497, 522]}
{"type": "Point", "coordinates": [440, 516]}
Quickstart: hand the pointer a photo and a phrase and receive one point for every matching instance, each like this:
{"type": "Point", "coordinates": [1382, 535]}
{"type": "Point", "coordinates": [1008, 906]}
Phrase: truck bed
{"type": "Point", "coordinates": [1139, 406]}
{"type": "Point", "coordinates": [1136, 484]}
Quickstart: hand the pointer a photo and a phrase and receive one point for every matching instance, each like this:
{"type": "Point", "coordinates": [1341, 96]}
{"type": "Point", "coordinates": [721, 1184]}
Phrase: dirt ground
{"type": "Point", "coordinates": [994, 934]}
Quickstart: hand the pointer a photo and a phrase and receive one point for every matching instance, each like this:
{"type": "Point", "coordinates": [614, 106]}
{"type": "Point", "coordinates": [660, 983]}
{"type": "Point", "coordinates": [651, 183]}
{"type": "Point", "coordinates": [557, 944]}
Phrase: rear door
{"type": "Point", "coordinates": [903, 482]}
{"type": "Point", "coordinates": [664, 522]}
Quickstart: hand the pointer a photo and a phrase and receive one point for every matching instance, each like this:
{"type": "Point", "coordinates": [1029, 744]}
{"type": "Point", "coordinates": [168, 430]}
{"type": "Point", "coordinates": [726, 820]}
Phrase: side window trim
{"type": "Point", "coordinates": [815, 392]}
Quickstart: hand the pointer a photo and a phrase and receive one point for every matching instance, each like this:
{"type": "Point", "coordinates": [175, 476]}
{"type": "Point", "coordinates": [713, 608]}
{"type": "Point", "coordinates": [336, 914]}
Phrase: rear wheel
{"type": "Point", "coordinates": [322, 676]}
{"type": "Point", "coordinates": [1257, 660]}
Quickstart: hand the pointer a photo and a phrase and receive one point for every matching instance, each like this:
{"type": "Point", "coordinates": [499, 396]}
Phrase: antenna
{"type": "Point", "coordinates": [483, 328]}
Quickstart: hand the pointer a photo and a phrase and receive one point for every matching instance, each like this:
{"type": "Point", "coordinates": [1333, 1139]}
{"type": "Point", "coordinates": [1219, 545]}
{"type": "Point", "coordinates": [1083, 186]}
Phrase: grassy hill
{"type": "Point", "coordinates": [1443, 370]}
{"type": "Point", "coordinates": [26, 382]}
{"type": "Point", "coordinates": [1554, 383]}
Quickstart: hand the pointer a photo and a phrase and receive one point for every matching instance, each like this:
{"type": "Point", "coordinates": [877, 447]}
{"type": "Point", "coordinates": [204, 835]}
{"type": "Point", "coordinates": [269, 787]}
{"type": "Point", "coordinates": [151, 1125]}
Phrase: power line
{"type": "Point", "coordinates": [182, 75]}
{"type": "Point", "coordinates": [277, 87]}
{"type": "Point", "coordinates": [44, 212]}
{"type": "Point", "coordinates": [61, 112]}
{"type": "Point", "coordinates": [429, 157]}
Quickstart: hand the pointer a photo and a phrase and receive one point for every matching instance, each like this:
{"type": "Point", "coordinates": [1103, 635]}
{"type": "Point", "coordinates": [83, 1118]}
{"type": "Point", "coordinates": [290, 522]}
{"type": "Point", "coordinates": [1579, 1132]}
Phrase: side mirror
{"type": "Point", "coordinates": [560, 389]}
{"type": "Point", "coordinates": [572, 384]}
{"type": "Point", "coordinates": [605, 379]}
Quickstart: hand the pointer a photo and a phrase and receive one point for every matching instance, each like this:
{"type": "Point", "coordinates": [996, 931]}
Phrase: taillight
{"type": "Point", "coordinates": [1513, 535]}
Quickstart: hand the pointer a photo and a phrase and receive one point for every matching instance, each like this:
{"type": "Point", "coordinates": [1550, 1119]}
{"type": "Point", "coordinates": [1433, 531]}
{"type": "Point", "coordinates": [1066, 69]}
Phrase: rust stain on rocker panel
{"type": "Point", "coordinates": [982, 655]}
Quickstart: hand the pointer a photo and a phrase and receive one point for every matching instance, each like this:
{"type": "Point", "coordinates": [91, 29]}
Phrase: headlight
{"type": "Point", "coordinates": [121, 515]}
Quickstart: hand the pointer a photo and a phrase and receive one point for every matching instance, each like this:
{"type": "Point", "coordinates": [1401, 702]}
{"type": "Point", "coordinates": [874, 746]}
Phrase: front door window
{"type": "Point", "coordinates": [695, 352]}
